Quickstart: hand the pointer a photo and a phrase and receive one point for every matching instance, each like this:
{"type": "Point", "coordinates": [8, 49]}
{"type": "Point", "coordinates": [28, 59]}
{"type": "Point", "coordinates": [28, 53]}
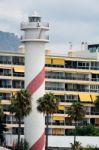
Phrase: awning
{"type": "Point", "coordinates": [19, 69]}
{"type": "Point", "coordinates": [85, 97]}
{"type": "Point", "coordinates": [58, 61]}
{"type": "Point", "coordinates": [47, 60]}
{"type": "Point", "coordinates": [61, 107]}
{"type": "Point", "coordinates": [93, 97]}
{"type": "Point", "coordinates": [58, 118]}
{"type": "Point", "coordinates": [13, 93]}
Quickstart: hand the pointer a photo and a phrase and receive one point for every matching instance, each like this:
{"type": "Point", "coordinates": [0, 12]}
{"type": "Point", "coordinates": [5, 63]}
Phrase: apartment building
{"type": "Point", "coordinates": [71, 78]}
{"type": "Point", "coordinates": [11, 80]}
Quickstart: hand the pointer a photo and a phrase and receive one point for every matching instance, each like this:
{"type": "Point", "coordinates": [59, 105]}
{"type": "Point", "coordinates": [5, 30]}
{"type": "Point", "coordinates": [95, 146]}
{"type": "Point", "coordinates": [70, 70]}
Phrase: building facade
{"type": "Point", "coordinates": [11, 80]}
{"type": "Point", "coordinates": [71, 78]}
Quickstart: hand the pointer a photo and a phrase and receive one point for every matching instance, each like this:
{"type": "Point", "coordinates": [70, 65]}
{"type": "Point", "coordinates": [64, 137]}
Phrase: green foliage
{"type": "Point", "coordinates": [91, 148]}
{"type": "Point", "coordinates": [48, 104]}
{"type": "Point", "coordinates": [21, 104]}
{"type": "Point", "coordinates": [2, 125]}
{"type": "Point", "coordinates": [76, 111]}
{"type": "Point", "coordinates": [88, 130]}
{"type": "Point", "coordinates": [76, 146]}
{"type": "Point", "coordinates": [96, 103]}
{"type": "Point", "coordinates": [20, 107]}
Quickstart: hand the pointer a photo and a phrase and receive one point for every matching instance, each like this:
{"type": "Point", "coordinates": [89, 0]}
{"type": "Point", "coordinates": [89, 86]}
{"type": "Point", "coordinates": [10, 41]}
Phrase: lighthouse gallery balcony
{"type": "Point", "coordinates": [31, 25]}
{"type": "Point", "coordinates": [36, 32]}
{"type": "Point", "coordinates": [44, 38]}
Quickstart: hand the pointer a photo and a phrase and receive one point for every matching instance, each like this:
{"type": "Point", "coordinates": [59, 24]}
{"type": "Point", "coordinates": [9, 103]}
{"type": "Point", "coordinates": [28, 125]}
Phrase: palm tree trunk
{"type": "Point", "coordinates": [46, 145]}
{"type": "Point", "coordinates": [19, 133]}
{"type": "Point", "coordinates": [75, 134]}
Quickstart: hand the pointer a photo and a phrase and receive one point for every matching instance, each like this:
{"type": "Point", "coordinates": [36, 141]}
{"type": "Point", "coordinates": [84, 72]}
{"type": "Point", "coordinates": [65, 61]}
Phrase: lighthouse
{"type": "Point", "coordinates": [34, 39]}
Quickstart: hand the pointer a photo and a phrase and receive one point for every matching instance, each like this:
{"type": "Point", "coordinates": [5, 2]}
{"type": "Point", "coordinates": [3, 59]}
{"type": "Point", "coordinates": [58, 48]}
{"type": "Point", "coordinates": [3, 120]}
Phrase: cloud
{"type": "Point", "coordinates": [70, 20]}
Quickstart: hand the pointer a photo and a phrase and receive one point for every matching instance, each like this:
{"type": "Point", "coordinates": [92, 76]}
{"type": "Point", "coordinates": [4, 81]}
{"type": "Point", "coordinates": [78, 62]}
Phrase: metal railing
{"type": "Point", "coordinates": [5, 74]}
{"type": "Point", "coordinates": [18, 74]}
{"type": "Point", "coordinates": [66, 77]}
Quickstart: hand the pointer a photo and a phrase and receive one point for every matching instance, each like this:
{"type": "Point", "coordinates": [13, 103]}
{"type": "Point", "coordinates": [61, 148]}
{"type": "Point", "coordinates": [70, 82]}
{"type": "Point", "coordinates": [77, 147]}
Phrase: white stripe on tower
{"type": "Point", "coordinates": [34, 79]}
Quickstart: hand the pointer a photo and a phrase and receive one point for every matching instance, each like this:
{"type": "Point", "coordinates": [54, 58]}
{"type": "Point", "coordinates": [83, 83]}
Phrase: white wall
{"type": "Point", "coordinates": [64, 141]}
{"type": "Point", "coordinates": [12, 139]}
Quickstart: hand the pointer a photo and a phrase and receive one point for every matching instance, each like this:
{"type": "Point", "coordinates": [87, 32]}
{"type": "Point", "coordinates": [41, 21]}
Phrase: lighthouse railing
{"type": "Point", "coordinates": [44, 37]}
{"type": "Point", "coordinates": [34, 25]}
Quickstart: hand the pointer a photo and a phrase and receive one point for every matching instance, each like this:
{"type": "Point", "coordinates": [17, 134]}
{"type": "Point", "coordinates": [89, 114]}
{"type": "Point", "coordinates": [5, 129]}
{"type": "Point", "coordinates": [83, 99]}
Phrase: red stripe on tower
{"type": "Point", "coordinates": [36, 82]}
{"type": "Point", "coordinates": [32, 88]}
{"type": "Point", "coordinates": [39, 143]}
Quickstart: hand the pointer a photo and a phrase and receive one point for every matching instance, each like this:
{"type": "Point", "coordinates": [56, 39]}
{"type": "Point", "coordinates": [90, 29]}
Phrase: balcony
{"type": "Point", "coordinates": [95, 79]}
{"type": "Point", "coordinates": [52, 88]}
{"type": "Point", "coordinates": [55, 77]}
{"type": "Point", "coordinates": [5, 62]}
{"type": "Point", "coordinates": [5, 97]}
{"type": "Point", "coordinates": [68, 78]}
{"type": "Point", "coordinates": [5, 86]}
{"type": "Point", "coordinates": [5, 74]}
{"type": "Point", "coordinates": [67, 89]}
{"type": "Point", "coordinates": [31, 25]}
{"type": "Point", "coordinates": [18, 74]}
{"type": "Point", "coordinates": [44, 38]}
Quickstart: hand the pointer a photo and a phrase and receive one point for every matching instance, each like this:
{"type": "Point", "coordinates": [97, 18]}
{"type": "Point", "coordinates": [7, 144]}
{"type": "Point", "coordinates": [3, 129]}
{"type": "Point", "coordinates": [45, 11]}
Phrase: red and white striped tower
{"type": "Point", "coordinates": [34, 39]}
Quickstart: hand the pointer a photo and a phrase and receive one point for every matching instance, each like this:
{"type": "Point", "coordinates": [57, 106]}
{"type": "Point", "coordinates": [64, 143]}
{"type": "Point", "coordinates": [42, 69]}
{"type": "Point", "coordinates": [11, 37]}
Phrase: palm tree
{"type": "Point", "coordinates": [96, 103]}
{"type": "Point", "coordinates": [48, 104]}
{"type": "Point", "coordinates": [20, 107]}
{"type": "Point", "coordinates": [76, 112]}
{"type": "Point", "coordinates": [2, 125]}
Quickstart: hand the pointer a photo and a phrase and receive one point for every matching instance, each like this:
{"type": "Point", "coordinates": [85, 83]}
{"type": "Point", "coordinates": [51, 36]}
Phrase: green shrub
{"type": "Point", "coordinates": [76, 146]}
{"type": "Point", "coordinates": [91, 148]}
{"type": "Point", "coordinates": [88, 130]}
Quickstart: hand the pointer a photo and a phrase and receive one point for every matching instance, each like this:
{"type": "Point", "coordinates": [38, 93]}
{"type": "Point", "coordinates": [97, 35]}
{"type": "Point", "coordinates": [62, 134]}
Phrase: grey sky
{"type": "Point", "coordinates": [70, 20]}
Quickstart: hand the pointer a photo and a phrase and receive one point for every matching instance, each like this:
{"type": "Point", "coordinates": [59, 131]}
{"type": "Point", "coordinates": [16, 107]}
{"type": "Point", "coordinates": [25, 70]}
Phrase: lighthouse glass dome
{"type": "Point", "coordinates": [35, 17]}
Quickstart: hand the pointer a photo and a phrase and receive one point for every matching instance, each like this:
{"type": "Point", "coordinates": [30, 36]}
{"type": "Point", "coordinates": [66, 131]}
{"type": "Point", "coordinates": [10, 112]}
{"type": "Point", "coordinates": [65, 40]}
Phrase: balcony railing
{"type": "Point", "coordinates": [67, 77]}
{"type": "Point", "coordinates": [25, 25]}
{"type": "Point", "coordinates": [95, 79]}
{"type": "Point", "coordinates": [50, 88]}
{"type": "Point", "coordinates": [18, 86]}
{"type": "Point", "coordinates": [33, 38]}
{"type": "Point", "coordinates": [71, 78]}
{"type": "Point", "coordinates": [5, 97]}
{"type": "Point", "coordinates": [67, 89]}
{"type": "Point", "coordinates": [5, 62]}
{"type": "Point", "coordinates": [5, 74]}
{"type": "Point", "coordinates": [18, 74]}
{"type": "Point", "coordinates": [55, 77]}
{"type": "Point", "coordinates": [5, 86]}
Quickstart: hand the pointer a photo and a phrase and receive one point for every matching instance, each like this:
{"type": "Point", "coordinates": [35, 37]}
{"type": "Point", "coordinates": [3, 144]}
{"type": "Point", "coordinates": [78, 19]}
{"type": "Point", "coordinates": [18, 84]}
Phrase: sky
{"type": "Point", "coordinates": [72, 21]}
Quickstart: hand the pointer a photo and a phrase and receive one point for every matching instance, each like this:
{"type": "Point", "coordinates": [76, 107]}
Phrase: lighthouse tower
{"type": "Point", "coordinates": [34, 39]}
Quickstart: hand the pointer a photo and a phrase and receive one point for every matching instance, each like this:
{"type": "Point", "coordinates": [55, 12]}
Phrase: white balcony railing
{"type": "Point", "coordinates": [34, 38]}
{"type": "Point", "coordinates": [34, 25]}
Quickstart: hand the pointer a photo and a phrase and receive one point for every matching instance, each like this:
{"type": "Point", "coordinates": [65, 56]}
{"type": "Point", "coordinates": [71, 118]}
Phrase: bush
{"type": "Point", "coordinates": [88, 130]}
{"type": "Point", "coordinates": [91, 148]}
{"type": "Point", "coordinates": [76, 146]}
